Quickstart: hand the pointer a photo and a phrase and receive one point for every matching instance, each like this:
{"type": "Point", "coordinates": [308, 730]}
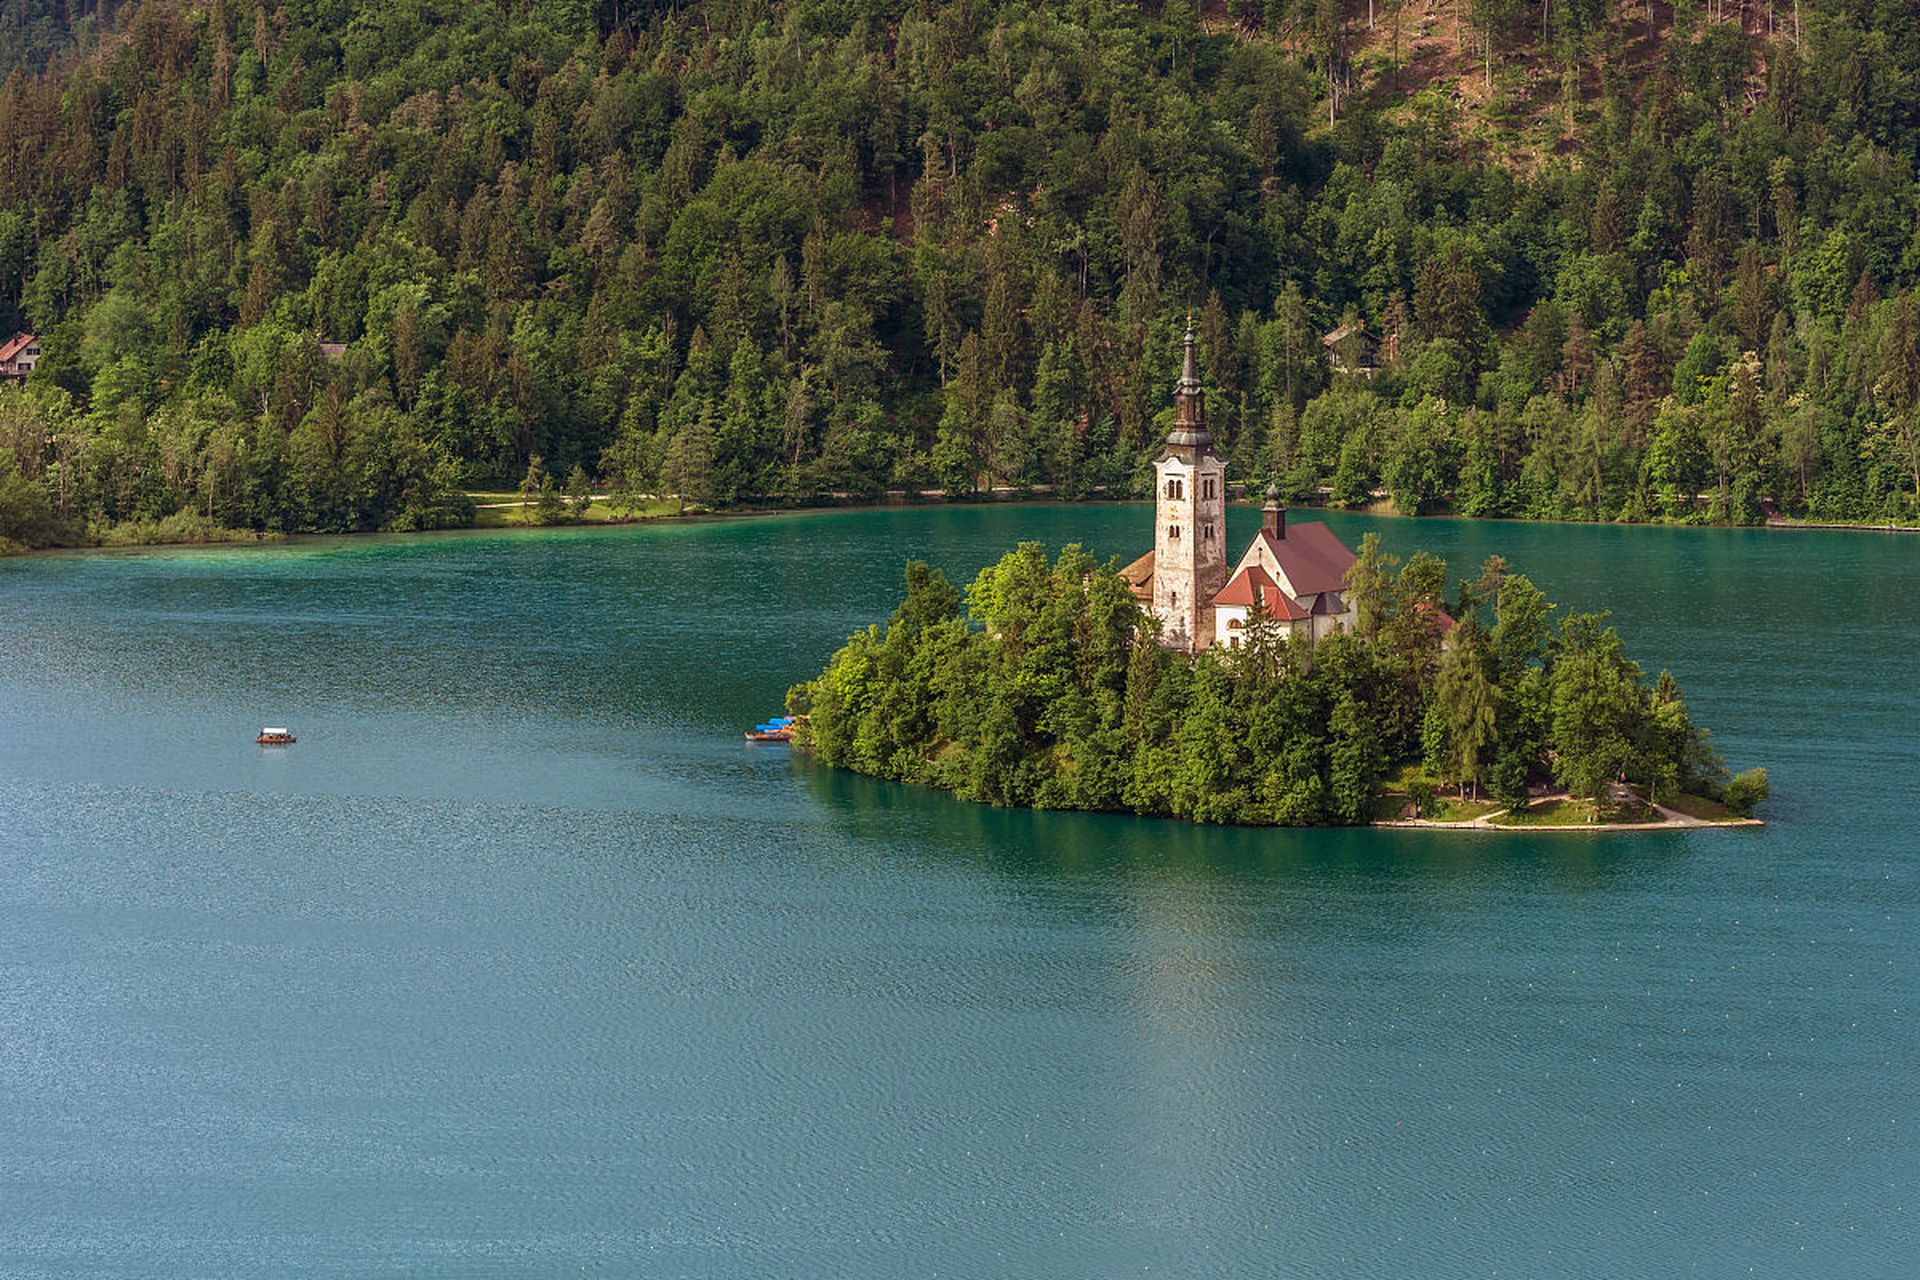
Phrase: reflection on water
{"type": "Point", "coordinates": [1066, 847]}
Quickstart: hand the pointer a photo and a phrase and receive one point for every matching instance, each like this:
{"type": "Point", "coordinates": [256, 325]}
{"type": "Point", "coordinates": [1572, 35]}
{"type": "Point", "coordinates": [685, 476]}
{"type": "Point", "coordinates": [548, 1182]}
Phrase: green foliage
{"type": "Point", "coordinates": [718, 252]}
{"type": "Point", "coordinates": [24, 516]}
{"type": "Point", "coordinates": [1045, 686]}
{"type": "Point", "coordinates": [1421, 792]}
{"type": "Point", "coordinates": [1745, 790]}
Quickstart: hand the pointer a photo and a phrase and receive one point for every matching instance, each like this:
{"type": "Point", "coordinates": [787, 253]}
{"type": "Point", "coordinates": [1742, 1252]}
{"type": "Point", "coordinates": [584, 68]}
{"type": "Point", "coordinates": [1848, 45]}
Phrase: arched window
{"type": "Point", "coordinates": [1206, 488]}
{"type": "Point", "coordinates": [1173, 489]}
{"type": "Point", "coordinates": [1173, 531]}
{"type": "Point", "coordinates": [1206, 533]}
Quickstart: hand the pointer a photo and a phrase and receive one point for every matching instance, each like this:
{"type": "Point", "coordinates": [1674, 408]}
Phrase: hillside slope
{"type": "Point", "coordinates": [775, 250]}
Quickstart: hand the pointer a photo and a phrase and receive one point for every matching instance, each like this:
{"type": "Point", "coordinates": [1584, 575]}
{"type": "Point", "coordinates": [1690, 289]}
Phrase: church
{"type": "Point", "coordinates": [1298, 575]}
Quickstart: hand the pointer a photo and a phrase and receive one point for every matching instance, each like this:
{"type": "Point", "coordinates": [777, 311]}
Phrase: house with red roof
{"type": "Point", "coordinates": [1298, 576]}
{"type": "Point", "coordinates": [1295, 579]}
{"type": "Point", "coordinates": [18, 355]}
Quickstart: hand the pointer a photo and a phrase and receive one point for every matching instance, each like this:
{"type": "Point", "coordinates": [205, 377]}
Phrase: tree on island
{"type": "Point", "coordinates": [1044, 685]}
{"type": "Point", "coordinates": [1598, 707]}
{"type": "Point", "coordinates": [1467, 703]}
{"type": "Point", "coordinates": [579, 492]}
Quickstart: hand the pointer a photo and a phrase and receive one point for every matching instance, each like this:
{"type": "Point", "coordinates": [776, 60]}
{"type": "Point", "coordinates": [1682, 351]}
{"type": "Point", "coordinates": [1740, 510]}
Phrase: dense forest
{"type": "Point", "coordinates": [1046, 687]}
{"type": "Point", "coordinates": [326, 264]}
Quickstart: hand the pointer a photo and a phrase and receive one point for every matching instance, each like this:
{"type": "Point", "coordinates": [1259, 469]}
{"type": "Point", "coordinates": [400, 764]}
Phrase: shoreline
{"type": "Point", "coordinates": [892, 498]}
{"type": "Point", "coordinates": [1670, 820]}
{"type": "Point", "coordinates": [1780, 522]}
{"type": "Point", "coordinates": [1590, 828]}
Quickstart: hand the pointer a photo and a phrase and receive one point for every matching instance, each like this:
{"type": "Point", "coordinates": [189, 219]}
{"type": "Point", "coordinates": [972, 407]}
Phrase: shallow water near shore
{"type": "Point", "coordinates": [521, 963]}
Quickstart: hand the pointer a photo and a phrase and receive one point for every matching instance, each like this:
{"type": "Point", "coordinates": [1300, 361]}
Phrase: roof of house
{"type": "Point", "coordinates": [1139, 577]}
{"type": "Point", "coordinates": [1252, 582]}
{"type": "Point", "coordinates": [331, 350]}
{"type": "Point", "coordinates": [1442, 623]}
{"type": "Point", "coordinates": [1345, 331]}
{"type": "Point", "coordinates": [13, 346]}
{"type": "Point", "coordinates": [1311, 557]}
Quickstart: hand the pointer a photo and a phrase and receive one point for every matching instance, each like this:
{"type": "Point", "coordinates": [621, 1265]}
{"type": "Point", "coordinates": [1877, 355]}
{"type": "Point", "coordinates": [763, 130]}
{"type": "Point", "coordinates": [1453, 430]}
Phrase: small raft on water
{"type": "Point", "coordinates": [275, 738]}
{"type": "Point", "coordinates": [778, 729]}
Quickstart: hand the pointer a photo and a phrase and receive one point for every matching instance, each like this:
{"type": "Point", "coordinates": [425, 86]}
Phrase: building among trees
{"type": "Point", "coordinates": [18, 355]}
{"type": "Point", "coordinates": [1351, 349]}
{"type": "Point", "coordinates": [1294, 581]}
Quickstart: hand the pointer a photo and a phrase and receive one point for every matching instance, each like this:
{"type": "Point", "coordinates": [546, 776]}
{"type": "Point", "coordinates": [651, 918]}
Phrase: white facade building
{"type": "Point", "coordinates": [1296, 579]}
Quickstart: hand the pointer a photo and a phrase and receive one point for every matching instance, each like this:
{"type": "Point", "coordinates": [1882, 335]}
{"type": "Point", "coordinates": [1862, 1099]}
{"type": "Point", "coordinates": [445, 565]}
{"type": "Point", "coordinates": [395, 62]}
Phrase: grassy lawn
{"type": "Point", "coordinates": [1550, 813]}
{"type": "Point", "coordinates": [1396, 782]}
{"type": "Point", "coordinates": [1560, 812]}
{"type": "Point", "coordinates": [1704, 809]}
{"type": "Point", "coordinates": [495, 517]}
{"type": "Point", "coordinates": [1454, 809]}
{"type": "Point", "coordinates": [1391, 803]}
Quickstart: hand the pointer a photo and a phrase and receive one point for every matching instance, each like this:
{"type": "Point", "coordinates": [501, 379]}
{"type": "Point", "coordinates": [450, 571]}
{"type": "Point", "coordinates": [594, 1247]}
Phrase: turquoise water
{"type": "Point", "coordinates": [521, 964]}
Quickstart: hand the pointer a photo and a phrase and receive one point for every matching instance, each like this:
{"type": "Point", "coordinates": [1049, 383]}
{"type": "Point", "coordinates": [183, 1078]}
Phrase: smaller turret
{"type": "Point", "coordinates": [1273, 516]}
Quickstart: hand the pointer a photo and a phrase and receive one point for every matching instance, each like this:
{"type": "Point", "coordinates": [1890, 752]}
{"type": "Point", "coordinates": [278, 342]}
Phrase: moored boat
{"type": "Point", "coordinates": [272, 737]}
{"type": "Point", "coordinates": [778, 729]}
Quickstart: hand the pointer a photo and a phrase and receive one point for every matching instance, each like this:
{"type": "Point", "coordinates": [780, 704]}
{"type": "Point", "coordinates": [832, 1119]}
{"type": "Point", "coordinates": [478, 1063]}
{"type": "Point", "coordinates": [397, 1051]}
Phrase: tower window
{"type": "Point", "coordinates": [1206, 533]}
{"type": "Point", "coordinates": [1173, 531]}
{"type": "Point", "coordinates": [1174, 489]}
{"type": "Point", "coordinates": [1206, 487]}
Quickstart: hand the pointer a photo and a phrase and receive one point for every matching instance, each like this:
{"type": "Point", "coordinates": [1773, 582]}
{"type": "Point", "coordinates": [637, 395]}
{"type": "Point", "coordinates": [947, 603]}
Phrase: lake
{"type": "Point", "coordinates": [522, 964]}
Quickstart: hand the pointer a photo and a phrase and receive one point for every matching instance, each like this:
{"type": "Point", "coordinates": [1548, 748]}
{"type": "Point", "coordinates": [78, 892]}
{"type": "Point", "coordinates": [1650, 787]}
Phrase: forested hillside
{"type": "Point", "coordinates": [1613, 261]}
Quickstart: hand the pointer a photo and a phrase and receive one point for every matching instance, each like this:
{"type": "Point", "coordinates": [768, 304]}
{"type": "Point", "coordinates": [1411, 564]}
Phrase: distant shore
{"type": "Point", "coordinates": [1781, 522]}
{"type": "Point", "coordinates": [497, 511]}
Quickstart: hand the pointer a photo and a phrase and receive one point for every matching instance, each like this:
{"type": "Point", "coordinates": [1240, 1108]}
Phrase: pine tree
{"type": "Point", "coordinates": [1467, 701]}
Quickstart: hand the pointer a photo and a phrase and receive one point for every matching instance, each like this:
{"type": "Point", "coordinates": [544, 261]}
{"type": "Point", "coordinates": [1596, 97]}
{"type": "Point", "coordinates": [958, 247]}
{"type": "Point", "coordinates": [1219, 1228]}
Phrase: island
{"type": "Point", "coordinates": [1307, 685]}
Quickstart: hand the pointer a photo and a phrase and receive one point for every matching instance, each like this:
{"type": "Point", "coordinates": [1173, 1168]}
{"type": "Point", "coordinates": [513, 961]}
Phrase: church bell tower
{"type": "Point", "coordinates": [1190, 519]}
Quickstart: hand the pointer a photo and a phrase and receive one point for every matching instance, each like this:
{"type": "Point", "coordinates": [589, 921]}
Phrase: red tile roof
{"type": "Point", "coordinates": [1251, 580]}
{"type": "Point", "coordinates": [1311, 557]}
{"type": "Point", "coordinates": [12, 346]}
{"type": "Point", "coordinates": [1139, 577]}
{"type": "Point", "coordinates": [1442, 620]}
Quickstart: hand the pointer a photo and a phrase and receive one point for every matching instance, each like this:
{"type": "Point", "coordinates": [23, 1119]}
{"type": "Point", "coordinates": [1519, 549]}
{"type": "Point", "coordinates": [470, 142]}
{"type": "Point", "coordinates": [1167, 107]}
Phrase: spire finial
{"type": "Point", "coordinates": [1190, 402]}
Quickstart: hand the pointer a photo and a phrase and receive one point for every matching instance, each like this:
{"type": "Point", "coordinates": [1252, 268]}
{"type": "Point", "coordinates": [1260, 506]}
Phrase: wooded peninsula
{"type": "Point", "coordinates": [1046, 686]}
{"type": "Point", "coordinates": [285, 265]}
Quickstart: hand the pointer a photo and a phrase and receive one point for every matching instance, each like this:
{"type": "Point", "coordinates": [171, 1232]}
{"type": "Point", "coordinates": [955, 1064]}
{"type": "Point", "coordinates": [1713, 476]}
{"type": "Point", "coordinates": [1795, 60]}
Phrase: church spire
{"type": "Point", "coordinates": [1190, 403]}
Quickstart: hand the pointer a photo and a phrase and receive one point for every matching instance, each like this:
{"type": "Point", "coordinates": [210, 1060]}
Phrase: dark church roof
{"type": "Point", "coordinates": [1313, 559]}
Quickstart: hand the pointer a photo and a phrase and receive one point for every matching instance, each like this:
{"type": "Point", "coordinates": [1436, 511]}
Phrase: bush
{"type": "Point", "coordinates": [25, 517]}
{"type": "Point", "coordinates": [1746, 790]}
{"type": "Point", "coordinates": [1510, 781]}
{"type": "Point", "coordinates": [1421, 792]}
{"type": "Point", "coordinates": [180, 527]}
